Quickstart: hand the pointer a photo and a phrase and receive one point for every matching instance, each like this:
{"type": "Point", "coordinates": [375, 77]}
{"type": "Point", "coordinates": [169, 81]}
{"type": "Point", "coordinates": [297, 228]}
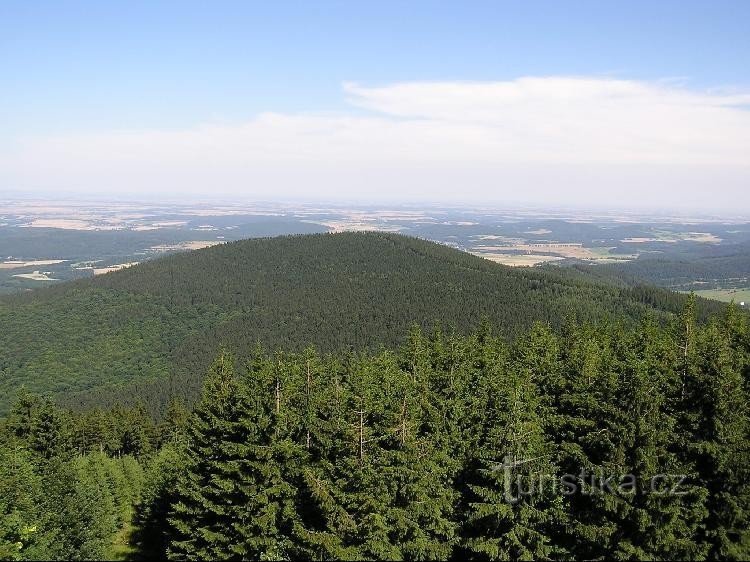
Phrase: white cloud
{"type": "Point", "coordinates": [554, 139]}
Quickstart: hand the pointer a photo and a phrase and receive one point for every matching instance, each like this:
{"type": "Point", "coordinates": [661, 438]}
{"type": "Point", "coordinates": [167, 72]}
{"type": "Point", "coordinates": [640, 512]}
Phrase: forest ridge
{"type": "Point", "coordinates": [150, 332]}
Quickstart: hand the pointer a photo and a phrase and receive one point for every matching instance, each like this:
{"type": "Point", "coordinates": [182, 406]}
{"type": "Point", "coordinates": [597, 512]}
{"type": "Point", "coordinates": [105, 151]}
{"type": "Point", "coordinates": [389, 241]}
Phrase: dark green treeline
{"type": "Point", "coordinates": [575, 444]}
{"type": "Point", "coordinates": [150, 332]}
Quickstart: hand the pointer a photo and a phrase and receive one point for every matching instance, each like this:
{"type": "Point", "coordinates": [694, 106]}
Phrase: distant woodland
{"type": "Point", "coordinates": [724, 267]}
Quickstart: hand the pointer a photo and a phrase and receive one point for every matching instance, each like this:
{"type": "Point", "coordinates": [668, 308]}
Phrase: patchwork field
{"type": "Point", "coordinates": [111, 268]}
{"type": "Point", "coordinates": [540, 252]}
{"type": "Point", "coordinates": [191, 245]}
{"type": "Point", "coordinates": [36, 276]}
{"type": "Point", "coordinates": [517, 260]}
{"type": "Point", "coordinates": [674, 237]}
{"type": "Point", "coordinates": [32, 263]}
{"type": "Point", "coordinates": [727, 295]}
{"type": "Point", "coordinates": [76, 239]}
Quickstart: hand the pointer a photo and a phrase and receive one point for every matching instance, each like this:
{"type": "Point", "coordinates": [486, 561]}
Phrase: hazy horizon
{"type": "Point", "coordinates": [499, 105]}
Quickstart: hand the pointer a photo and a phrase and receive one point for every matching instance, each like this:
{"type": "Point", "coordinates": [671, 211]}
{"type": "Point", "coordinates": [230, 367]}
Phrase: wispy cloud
{"type": "Point", "coordinates": [555, 139]}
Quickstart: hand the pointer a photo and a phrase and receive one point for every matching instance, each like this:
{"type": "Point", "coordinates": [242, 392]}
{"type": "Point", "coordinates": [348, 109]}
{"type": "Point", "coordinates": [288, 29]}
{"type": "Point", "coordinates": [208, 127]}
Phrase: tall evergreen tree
{"type": "Point", "coordinates": [663, 508]}
{"type": "Point", "coordinates": [160, 494]}
{"type": "Point", "coordinates": [208, 496]}
{"type": "Point", "coordinates": [514, 500]}
{"type": "Point", "coordinates": [20, 506]}
{"type": "Point", "coordinates": [587, 436]}
{"type": "Point", "coordinates": [721, 445]}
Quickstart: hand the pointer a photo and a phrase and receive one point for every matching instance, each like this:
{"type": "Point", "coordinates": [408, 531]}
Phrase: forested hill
{"type": "Point", "coordinates": [165, 319]}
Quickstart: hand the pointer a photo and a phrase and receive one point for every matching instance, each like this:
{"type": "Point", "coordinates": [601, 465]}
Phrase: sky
{"type": "Point", "coordinates": [602, 103]}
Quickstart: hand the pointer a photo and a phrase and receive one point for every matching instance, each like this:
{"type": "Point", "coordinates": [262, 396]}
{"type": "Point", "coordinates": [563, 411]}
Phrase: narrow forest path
{"type": "Point", "coordinates": [124, 546]}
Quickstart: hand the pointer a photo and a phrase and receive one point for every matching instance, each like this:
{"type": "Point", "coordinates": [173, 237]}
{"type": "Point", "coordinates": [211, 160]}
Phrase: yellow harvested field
{"type": "Point", "coordinates": [167, 224]}
{"type": "Point", "coordinates": [17, 264]}
{"type": "Point", "coordinates": [356, 216]}
{"type": "Point", "coordinates": [564, 250]}
{"type": "Point", "coordinates": [67, 224]}
{"type": "Point", "coordinates": [224, 212]}
{"type": "Point", "coordinates": [351, 226]}
{"type": "Point", "coordinates": [504, 239]}
{"type": "Point", "coordinates": [517, 260]}
{"type": "Point", "coordinates": [702, 237]}
{"type": "Point", "coordinates": [558, 250]}
{"type": "Point", "coordinates": [35, 276]}
{"type": "Point", "coordinates": [192, 245]}
{"type": "Point", "coordinates": [111, 268]}
{"type": "Point", "coordinates": [198, 244]}
{"type": "Point", "coordinates": [640, 240]}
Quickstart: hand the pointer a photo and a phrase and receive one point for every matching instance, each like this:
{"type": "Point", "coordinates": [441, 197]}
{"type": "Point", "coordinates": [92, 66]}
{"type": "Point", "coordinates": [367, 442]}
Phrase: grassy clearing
{"type": "Point", "coordinates": [123, 545]}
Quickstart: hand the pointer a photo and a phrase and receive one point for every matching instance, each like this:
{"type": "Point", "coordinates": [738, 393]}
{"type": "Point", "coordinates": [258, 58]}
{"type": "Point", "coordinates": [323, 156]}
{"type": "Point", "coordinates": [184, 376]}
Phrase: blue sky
{"type": "Point", "coordinates": [71, 68]}
{"type": "Point", "coordinates": [88, 65]}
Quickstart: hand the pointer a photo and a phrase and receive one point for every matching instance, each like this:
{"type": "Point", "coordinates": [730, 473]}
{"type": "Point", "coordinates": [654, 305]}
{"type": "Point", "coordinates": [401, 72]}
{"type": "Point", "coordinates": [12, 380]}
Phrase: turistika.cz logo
{"type": "Point", "coordinates": [521, 480]}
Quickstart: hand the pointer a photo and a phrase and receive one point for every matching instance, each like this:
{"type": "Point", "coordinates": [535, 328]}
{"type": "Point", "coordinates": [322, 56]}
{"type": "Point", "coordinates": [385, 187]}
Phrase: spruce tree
{"type": "Point", "coordinates": [513, 503]}
{"type": "Point", "coordinates": [721, 445]}
{"type": "Point", "coordinates": [160, 494]}
{"type": "Point", "coordinates": [662, 511]}
{"type": "Point", "coordinates": [172, 430]}
{"type": "Point", "coordinates": [588, 436]}
{"type": "Point", "coordinates": [20, 505]}
{"type": "Point", "coordinates": [236, 499]}
{"type": "Point", "coordinates": [326, 525]}
{"type": "Point", "coordinates": [415, 458]}
{"type": "Point", "coordinates": [209, 500]}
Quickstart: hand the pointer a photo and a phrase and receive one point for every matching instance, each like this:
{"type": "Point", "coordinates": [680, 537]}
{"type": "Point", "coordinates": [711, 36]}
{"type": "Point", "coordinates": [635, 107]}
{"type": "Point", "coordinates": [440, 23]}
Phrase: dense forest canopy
{"type": "Point", "coordinates": [576, 443]}
{"type": "Point", "coordinates": [150, 332]}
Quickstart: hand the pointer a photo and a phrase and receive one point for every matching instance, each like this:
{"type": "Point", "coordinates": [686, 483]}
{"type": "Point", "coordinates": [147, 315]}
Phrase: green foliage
{"type": "Point", "coordinates": [54, 503]}
{"type": "Point", "coordinates": [155, 504]}
{"type": "Point", "coordinates": [728, 265]}
{"type": "Point", "coordinates": [584, 442]}
{"type": "Point", "coordinates": [465, 447]}
{"type": "Point", "coordinates": [233, 499]}
{"type": "Point", "coordinates": [150, 332]}
{"type": "Point", "coordinates": [719, 441]}
{"type": "Point", "coordinates": [20, 513]}
{"type": "Point", "coordinates": [513, 503]}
